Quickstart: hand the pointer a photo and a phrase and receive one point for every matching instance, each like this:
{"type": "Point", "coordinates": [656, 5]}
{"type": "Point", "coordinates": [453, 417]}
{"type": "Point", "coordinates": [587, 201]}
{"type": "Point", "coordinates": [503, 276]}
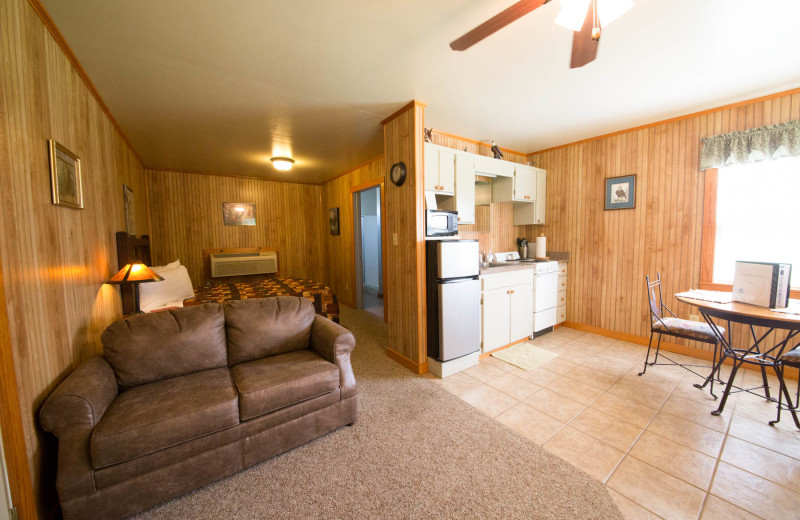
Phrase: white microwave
{"type": "Point", "coordinates": [441, 223]}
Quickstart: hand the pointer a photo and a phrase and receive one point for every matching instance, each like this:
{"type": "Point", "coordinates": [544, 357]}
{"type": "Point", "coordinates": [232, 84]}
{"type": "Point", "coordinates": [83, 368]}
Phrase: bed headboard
{"type": "Point", "coordinates": [129, 248]}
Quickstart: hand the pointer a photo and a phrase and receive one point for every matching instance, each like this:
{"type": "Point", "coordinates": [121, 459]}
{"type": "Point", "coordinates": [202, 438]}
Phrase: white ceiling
{"type": "Point", "coordinates": [221, 86]}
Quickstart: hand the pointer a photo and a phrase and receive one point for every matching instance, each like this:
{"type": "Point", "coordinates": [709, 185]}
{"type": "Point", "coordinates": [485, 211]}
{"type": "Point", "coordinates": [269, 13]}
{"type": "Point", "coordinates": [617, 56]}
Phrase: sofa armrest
{"type": "Point", "coordinates": [78, 403]}
{"type": "Point", "coordinates": [335, 343]}
{"type": "Point", "coordinates": [71, 412]}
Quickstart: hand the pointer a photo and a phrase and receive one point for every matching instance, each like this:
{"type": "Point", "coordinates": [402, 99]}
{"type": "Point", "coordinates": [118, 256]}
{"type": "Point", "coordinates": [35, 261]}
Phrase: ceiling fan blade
{"type": "Point", "coordinates": [584, 48]}
{"type": "Point", "coordinates": [496, 23]}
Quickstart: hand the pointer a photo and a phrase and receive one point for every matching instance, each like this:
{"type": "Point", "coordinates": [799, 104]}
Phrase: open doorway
{"type": "Point", "coordinates": [368, 245]}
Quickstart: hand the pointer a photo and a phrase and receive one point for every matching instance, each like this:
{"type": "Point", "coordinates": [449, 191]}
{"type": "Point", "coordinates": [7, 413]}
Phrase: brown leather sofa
{"type": "Point", "coordinates": [181, 398]}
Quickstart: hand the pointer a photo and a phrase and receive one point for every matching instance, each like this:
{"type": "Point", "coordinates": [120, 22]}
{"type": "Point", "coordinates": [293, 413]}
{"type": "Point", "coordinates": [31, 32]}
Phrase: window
{"type": "Point", "coordinates": [752, 213]}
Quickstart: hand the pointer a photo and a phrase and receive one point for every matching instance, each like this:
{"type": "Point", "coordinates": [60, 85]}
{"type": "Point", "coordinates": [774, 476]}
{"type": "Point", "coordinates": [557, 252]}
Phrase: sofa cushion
{"type": "Point", "coordinates": [151, 347]}
{"type": "Point", "coordinates": [261, 327]}
{"type": "Point", "coordinates": [278, 381]}
{"type": "Point", "coordinates": [152, 417]}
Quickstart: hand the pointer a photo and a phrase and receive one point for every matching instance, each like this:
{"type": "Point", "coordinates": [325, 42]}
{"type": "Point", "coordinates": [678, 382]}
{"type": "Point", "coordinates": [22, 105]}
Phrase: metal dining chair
{"type": "Point", "coordinates": [790, 359]}
{"type": "Point", "coordinates": [671, 325]}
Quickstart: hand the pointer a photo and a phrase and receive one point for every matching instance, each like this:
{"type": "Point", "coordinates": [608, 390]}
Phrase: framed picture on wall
{"type": "Point", "coordinates": [239, 213]}
{"type": "Point", "coordinates": [333, 220]}
{"type": "Point", "coordinates": [65, 176]}
{"type": "Point", "coordinates": [130, 216]}
{"type": "Point", "coordinates": [621, 192]}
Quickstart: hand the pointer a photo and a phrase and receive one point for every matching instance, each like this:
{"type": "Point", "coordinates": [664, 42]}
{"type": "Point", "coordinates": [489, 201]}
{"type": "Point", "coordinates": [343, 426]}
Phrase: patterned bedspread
{"type": "Point", "coordinates": [322, 297]}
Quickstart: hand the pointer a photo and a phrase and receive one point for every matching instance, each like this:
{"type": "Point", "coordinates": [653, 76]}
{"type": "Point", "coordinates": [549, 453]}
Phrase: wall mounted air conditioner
{"type": "Point", "coordinates": [240, 264]}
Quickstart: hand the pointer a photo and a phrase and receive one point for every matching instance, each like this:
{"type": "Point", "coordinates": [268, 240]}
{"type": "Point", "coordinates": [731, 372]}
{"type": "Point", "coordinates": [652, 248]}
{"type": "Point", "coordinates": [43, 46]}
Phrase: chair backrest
{"type": "Point", "coordinates": [654, 296]}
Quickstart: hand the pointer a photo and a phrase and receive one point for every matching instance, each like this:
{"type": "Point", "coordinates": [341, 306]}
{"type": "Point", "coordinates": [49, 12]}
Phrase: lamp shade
{"type": "Point", "coordinates": [135, 272]}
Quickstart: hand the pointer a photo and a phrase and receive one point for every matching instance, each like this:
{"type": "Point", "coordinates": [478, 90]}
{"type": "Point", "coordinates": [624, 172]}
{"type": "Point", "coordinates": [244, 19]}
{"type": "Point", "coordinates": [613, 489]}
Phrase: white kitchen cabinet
{"type": "Point", "coordinates": [493, 167]}
{"type": "Point", "coordinates": [495, 318]}
{"type": "Point", "coordinates": [521, 187]}
{"type": "Point", "coordinates": [561, 310]}
{"type": "Point", "coordinates": [440, 169]}
{"type": "Point", "coordinates": [521, 304]}
{"type": "Point", "coordinates": [526, 213]}
{"type": "Point", "coordinates": [464, 200]}
{"type": "Point", "coordinates": [506, 308]}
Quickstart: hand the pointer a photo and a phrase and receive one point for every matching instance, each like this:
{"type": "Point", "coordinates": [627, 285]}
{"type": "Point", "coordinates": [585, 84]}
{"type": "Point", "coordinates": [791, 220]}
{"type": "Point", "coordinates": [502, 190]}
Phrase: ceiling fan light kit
{"type": "Point", "coordinates": [584, 17]}
{"type": "Point", "coordinates": [282, 164]}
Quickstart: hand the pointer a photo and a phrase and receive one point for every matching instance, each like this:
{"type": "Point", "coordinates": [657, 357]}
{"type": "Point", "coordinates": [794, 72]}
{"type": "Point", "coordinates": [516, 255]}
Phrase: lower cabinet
{"type": "Point", "coordinates": [561, 310]}
{"type": "Point", "coordinates": [506, 308]}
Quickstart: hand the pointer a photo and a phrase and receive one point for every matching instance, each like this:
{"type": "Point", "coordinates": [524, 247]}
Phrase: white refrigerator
{"type": "Point", "coordinates": [453, 298]}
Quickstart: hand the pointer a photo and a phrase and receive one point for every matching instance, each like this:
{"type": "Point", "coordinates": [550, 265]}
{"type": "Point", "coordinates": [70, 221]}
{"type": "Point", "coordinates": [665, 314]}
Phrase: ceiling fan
{"type": "Point", "coordinates": [584, 17]}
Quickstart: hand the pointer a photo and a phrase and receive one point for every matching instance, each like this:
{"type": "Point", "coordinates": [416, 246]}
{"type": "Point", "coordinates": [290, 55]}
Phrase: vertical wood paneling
{"type": "Point", "coordinates": [405, 265]}
{"type": "Point", "coordinates": [186, 212]}
{"type": "Point", "coordinates": [54, 259]}
{"type": "Point", "coordinates": [340, 249]}
{"type": "Point", "coordinates": [612, 251]}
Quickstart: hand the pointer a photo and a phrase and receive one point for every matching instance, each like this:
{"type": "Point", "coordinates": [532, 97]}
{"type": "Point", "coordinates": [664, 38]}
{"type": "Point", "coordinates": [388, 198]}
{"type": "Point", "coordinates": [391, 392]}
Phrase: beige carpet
{"type": "Point", "coordinates": [525, 355]}
{"type": "Point", "coordinates": [415, 452]}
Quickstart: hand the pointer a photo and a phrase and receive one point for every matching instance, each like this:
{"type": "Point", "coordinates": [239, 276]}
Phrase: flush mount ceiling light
{"type": "Point", "coordinates": [283, 164]}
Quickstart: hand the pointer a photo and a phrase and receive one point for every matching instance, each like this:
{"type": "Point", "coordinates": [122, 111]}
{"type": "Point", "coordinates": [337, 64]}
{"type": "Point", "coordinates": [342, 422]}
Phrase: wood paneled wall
{"type": "Point", "coordinates": [612, 251]}
{"type": "Point", "coordinates": [340, 249]}
{"type": "Point", "coordinates": [55, 260]}
{"type": "Point", "coordinates": [405, 263]}
{"type": "Point", "coordinates": [186, 212]}
{"type": "Point", "coordinates": [498, 216]}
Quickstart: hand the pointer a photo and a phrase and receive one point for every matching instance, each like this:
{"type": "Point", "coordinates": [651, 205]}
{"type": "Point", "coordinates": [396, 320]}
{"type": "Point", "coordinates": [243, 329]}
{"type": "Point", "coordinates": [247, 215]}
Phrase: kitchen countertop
{"type": "Point", "coordinates": [493, 270]}
{"type": "Point", "coordinates": [558, 256]}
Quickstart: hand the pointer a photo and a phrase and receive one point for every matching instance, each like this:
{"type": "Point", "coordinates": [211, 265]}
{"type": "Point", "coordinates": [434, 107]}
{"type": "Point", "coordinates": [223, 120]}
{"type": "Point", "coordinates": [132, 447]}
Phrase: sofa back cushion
{"type": "Point", "coordinates": [261, 327]}
{"type": "Point", "coordinates": [150, 347]}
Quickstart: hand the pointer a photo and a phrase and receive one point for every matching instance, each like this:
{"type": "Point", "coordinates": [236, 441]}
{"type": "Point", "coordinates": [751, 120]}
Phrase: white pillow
{"type": "Point", "coordinates": [176, 286]}
{"type": "Point", "coordinates": [172, 265]}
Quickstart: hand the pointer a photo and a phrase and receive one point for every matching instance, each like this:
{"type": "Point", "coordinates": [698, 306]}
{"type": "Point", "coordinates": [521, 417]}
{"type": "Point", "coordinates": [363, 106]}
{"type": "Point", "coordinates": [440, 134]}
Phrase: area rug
{"type": "Point", "coordinates": [525, 355]}
{"type": "Point", "coordinates": [415, 451]}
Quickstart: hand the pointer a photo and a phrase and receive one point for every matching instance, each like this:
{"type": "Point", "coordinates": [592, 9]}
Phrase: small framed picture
{"type": "Point", "coordinates": [333, 220]}
{"type": "Point", "coordinates": [621, 192]}
{"type": "Point", "coordinates": [239, 213]}
{"type": "Point", "coordinates": [65, 176]}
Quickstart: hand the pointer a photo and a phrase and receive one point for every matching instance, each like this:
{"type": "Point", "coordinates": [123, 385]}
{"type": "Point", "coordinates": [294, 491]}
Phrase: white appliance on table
{"type": "Point", "coordinates": [545, 289]}
{"type": "Point", "coordinates": [454, 305]}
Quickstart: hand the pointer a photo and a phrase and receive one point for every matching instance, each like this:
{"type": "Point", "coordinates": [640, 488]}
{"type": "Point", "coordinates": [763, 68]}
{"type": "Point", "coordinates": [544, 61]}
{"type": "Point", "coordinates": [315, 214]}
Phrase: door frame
{"type": "Point", "coordinates": [355, 211]}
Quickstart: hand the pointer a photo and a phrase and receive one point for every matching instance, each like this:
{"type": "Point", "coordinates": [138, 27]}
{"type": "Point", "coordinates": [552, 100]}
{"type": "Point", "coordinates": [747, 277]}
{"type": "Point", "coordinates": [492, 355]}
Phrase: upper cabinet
{"type": "Point", "coordinates": [464, 199]}
{"type": "Point", "coordinates": [521, 187]}
{"type": "Point", "coordinates": [440, 169]}
{"type": "Point", "coordinates": [526, 213]}
{"type": "Point", "coordinates": [493, 167]}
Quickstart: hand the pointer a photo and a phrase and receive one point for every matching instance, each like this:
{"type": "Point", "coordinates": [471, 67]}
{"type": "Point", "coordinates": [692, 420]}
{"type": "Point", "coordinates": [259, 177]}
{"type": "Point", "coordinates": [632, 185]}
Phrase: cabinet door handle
{"type": "Point", "coordinates": [459, 219]}
{"type": "Point", "coordinates": [512, 292]}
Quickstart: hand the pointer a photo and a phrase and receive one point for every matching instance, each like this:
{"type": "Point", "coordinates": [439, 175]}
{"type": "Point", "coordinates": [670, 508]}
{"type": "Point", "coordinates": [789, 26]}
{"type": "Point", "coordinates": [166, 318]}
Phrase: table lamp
{"type": "Point", "coordinates": [135, 273]}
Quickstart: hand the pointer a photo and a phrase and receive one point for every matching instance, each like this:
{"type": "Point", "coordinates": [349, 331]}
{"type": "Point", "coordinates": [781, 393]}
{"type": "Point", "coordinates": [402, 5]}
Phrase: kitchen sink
{"type": "Point", "coordinates": [488, 265]}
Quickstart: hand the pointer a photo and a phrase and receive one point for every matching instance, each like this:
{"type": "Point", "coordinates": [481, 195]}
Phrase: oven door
{"type": "Point", "coordinates": [545, 291]}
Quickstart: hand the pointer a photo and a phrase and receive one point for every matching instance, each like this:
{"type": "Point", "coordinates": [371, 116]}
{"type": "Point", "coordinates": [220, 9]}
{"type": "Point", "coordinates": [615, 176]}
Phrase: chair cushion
{"type": "Point", "coordinates": [792, 357]}
{"type": "Point", "coordinates": [694, 329]}
{"type": "Point", "coordinates": [261, 327]}
{"type": "Point", "coordinates": [151, 417]}
{"type": "Point", "coordinates": [151, 347]}
{"type": "Point", "coordinates": [278, 381]}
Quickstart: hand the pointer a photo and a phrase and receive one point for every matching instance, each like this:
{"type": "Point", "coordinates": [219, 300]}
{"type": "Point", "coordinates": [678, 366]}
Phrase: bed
{"type": "Point", "coordinates": [325, 303]}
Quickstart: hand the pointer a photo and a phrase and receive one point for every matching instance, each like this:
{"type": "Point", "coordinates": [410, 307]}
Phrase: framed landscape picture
{"type": "Point", "coordinates": [65, 176]}
{"type": "Point", "coordinates": [239, 213]}
{"type": "Point", "coordinates": [621, 192]}
{"type": "Point", "coordinates": [333, 220]}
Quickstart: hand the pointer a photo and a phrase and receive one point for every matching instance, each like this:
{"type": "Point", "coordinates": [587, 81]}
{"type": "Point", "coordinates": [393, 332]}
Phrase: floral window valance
{"type": "Point", "coordinates": [757, 144]}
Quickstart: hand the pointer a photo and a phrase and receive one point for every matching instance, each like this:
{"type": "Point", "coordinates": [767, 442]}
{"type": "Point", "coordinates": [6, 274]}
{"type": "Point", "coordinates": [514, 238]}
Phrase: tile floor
{"type": "Point", "coordinates": [651, 440]}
